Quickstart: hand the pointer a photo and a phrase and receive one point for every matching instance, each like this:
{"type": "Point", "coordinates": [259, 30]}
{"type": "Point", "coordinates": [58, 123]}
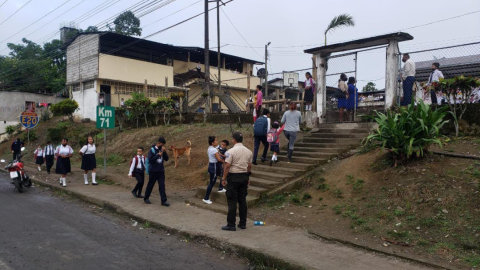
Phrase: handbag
{"type": "Point", "coordinates": [340, 94]}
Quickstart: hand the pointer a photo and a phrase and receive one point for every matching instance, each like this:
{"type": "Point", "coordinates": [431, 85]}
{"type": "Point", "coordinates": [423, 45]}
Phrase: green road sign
{"type": "Point", "coordinates": [105, 117]}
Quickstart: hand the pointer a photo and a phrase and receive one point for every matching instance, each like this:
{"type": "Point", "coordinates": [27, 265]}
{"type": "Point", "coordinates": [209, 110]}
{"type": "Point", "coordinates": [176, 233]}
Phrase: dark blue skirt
{"type": "Point", "coordinates": [63, 166]}
{"type": "Point", "coordinates": [39, 160]}
{"type": "Point", "coordinates": [275, 148]}
{"type": "Point", "coordinates": [89, 162]}
{"type": "Point", "coordinates": [342, 103]}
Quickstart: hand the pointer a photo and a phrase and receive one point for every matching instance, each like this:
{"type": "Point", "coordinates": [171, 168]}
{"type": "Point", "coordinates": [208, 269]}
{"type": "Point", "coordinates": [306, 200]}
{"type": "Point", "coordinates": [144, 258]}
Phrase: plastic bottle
{"type": "Point", "coordinates": [259, 223]}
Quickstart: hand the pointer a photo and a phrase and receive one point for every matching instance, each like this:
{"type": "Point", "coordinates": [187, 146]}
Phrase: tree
{"type": "Point", "coordinates": [163, 105]}
{"type": "Point", "coordinates": [66, 108]}
{"type": "Point", "coordinates": [91, 29]}
{"type": "Point", "coordinates": [127, 24]}
{"type": "Point", "coordinates": [139, 105]}
{"type": "Point", "coordinates": [370, 87]}
{"type": "Point", "coordinates": [342, 20]}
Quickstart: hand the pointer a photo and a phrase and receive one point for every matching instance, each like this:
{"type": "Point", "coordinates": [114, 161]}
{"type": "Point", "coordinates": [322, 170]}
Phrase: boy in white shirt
{"type": "Point", "coordinates": [137, 169]}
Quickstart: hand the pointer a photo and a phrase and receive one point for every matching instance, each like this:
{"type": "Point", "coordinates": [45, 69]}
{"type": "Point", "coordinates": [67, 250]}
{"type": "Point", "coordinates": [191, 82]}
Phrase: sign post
{"type": "Point", "coordinates": [29, 120]}
{"type": "Point", "coordinates": [105, 120]}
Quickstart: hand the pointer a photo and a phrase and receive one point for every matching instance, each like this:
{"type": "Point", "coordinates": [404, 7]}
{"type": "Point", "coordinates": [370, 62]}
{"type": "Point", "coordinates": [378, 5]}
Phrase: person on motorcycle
{"type": "Point", "coordinates": [16, 148]}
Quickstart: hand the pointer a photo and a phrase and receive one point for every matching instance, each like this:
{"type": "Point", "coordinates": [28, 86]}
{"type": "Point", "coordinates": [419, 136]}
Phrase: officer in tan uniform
{"type": "Point", "coordinates": [238, 164]}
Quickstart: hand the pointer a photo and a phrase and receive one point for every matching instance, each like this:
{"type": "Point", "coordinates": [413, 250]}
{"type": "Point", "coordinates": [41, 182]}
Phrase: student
{"type": "Point", "coordinates": [292, 120]}
{"type": "Point", "coordinates": [137, 169]}
{"type": "Point", "coordinates": [89, 162]}
{"type": "Point", "coordinates": [102, 101]}
{"type": "Point", "coordinates": [49, 156]}
{"type": "Point", "coordinates": [222, 149]}
{"type": "Point", "coordinates": [38, 153]}
{"type": "Point", "coordinates": [275, 144]}
{"type": "Point", "coordinates": [214, 166]}
{"type": "Point", "coordinates": [309, 91]}
{"type": "Point", "coordinates": [156, 157]}
{"type": "Point", "coordinates": [63, 154]}
{"type": "Point", "coordinates": [260, 131]}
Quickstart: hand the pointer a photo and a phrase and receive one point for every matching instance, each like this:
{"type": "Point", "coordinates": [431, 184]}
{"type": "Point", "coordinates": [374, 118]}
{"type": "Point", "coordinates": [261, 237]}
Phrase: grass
{"type": "Point", "coordinates": [114, 159]}
{"type": "Point", "coordinates": [146, 225]}
{"type": "Point", "coordinates": [295, 199]}
{"type": "Point", "coordinates": [337, 193]}
{"type": "Point", "coordinates": [278, 199]}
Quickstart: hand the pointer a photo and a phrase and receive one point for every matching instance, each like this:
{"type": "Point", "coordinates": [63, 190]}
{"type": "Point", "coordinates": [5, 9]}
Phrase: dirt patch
{"type": "Point", "coordinates": [427, 209]}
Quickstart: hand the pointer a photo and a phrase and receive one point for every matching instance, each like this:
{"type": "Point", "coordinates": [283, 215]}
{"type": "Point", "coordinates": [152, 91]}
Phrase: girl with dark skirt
{"type": "Point", "coordinates": [309, 91]}
{"type": "Point", "coordinates": [89, 162]}
{"type": "Point", "coordinates": [63, 153]}
{"type": "Point", "coordinates": [342, 102]}
{"type": "Point", "coordinates": [275, 144]}
{"type": "Point", "coordinates": [39, 157]}
{"type": "Point", "coordinates": [214, 167]}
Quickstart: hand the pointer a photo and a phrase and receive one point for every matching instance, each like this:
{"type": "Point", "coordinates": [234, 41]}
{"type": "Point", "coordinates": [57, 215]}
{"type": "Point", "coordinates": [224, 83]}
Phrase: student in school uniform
{"type": "Point", "coordinates": [49, 156]}
{"type": "Point", "coordinates": [89, 162]}
{"type": "Point", "coordinates": [137, 170]}
{"type": "Point", "coordinates": [156, 171]}
{"type": "Point", "coordinates": [63, 153]}
{"type": "Point", "coordinates": [38, 153]}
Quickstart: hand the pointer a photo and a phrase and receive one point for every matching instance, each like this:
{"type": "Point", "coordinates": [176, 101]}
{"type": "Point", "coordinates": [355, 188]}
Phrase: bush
{"type": "Point", "coordinates": [410, 130]}
{"type": "Point", "coordinates": [32, 135]}
{"type": "Point", "coordinates": [66, 108]}
{"type": "Point", "coordinates": [10, 130]}
{"type": "Point", "coordinates": [55, 135]}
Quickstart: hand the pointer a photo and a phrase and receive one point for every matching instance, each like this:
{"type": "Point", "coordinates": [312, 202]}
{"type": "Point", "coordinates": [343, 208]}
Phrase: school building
{"type": "Point", "coordinates": [114, 66]}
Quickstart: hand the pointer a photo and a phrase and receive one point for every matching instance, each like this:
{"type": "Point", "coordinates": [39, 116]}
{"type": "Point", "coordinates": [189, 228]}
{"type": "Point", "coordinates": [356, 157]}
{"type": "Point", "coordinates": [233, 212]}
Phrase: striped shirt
{"type": "Point", "coordinates": [49, 151]}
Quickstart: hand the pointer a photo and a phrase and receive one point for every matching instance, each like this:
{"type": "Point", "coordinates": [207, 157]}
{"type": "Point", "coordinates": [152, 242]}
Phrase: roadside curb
{"type": "Point", "coordinates": [252, 256]}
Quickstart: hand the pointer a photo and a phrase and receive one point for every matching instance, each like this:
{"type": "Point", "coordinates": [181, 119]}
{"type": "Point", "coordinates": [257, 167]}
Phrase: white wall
{"type": "Point", "coordinates": [87, 103]}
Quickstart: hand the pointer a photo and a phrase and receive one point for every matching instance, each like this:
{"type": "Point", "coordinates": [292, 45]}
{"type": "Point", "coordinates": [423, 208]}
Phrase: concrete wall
{"type": "Point", "coordinates": [84, 47]}
{"type": "Point", "coordinates": [87, 103]}
{"type": "Point", "coordinates": [134, 71]}
{"type": "Point", "coordinates": [12, 105]}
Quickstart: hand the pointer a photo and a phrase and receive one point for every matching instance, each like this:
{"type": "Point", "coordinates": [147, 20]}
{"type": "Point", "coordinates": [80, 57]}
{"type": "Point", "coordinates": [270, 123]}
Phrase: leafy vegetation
{"type": "Point", "coordinates": [32, 136]}
{"type": "Point", "coordinates": [10, 130]}
{"type": "Point", "coordinates": [65, 107]}
{"type": "Point", "coordinates": [127, 24]}
{"type": "Point", "coordinates": [138, 106]}
{"type": "Point", "coordinates": [342, 20]}
{"type": "Point", "coordinates": [408, 131]}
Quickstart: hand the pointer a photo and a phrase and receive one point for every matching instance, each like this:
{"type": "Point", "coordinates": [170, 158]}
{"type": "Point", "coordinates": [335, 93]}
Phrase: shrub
{"type": "Point", "coordinates": [66, 107]}
{"type": "Point", "coordinates": [10, 129]}
{"type": "Point", "coordinates": [32, 136]}
{"type": "Point", "coordinates": [204, 94]}
{"type": "Point", "coordinates": [410, 130]}
{"type": "Point", "coordinates": [55, 135]}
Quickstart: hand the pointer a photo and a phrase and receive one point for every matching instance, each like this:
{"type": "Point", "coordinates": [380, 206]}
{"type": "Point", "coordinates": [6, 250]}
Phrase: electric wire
{"type": "Point", "coordinates": [15, 12]}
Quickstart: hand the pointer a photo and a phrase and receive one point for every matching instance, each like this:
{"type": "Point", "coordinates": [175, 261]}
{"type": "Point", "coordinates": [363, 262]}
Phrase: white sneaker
{"type": "Point", "coordinates": [39, 169]}
{"type": "Point", "coordinates": [61, 181]}
{"type": "Point", "coordinates": [207, 201]}
{"type": "Point", "coordinates": [222, 191]}
{"type": "Point", "coordinates": [86, 182]}
{"type": "Point", "coordinates": [64, 181]}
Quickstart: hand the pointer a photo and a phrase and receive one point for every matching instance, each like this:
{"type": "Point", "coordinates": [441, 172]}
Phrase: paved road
{"type": "Point", "coordinates": [41, 231]}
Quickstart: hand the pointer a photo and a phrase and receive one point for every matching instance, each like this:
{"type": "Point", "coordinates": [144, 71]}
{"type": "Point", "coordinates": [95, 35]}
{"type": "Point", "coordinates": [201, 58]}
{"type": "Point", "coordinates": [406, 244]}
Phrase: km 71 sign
{"type": "Point", "coordinates": [105, 117]}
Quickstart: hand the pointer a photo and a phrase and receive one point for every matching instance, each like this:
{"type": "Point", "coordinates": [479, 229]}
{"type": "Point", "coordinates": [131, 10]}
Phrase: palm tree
{"type": "Point", "coordinates": [338, 22]}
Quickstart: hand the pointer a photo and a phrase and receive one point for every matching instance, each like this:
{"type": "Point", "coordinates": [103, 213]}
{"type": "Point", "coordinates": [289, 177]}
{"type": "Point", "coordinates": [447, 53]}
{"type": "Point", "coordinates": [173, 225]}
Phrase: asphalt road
{"type": "Point", "coordinates": [42, 231]}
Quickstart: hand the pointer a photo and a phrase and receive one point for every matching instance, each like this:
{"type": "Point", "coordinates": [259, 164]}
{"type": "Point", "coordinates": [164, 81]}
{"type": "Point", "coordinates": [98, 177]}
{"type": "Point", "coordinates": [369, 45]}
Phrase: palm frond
{"type": "Point", "coordinates": [342, 20]}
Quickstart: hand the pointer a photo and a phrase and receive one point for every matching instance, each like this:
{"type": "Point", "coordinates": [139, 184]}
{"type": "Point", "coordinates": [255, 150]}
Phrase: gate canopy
{"type": "Point", "coordinates": [360, 43]}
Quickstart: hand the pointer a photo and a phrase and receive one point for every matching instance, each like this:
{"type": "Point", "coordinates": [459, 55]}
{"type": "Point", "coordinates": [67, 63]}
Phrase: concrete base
{"type": "Point", "coordinates": [310, 119]}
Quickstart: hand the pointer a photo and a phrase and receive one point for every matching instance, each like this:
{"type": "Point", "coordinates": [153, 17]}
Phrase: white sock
{"type": "Point", "coordinates": [276, 158]}
{"type": "Point", "coordinates": [273, 158]}
{"type": "Point", "coordinates": [64, 181]}
{"type": "Point", "coordinates": [93, 177]}
{"type": "Point", "coordinates": [85, 177]}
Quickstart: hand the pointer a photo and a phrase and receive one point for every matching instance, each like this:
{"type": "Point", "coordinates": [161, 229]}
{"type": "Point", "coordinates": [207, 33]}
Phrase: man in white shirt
{"type": "Point", "coordinates": [408, 77]}
{"type": "Point", "coordinates": [434, 77]}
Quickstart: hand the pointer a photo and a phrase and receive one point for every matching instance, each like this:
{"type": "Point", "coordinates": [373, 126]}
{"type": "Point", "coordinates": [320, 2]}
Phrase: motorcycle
{"type": "Point", "coordinates": [17, 173]}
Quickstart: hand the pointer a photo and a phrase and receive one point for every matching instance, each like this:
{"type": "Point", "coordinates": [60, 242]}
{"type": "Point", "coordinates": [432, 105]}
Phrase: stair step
{"type": "Point", "coordinates": [319, 154]}
{"type": "Point", "coordinates": [326, 145]}
{"type": "Point", "coordinates": [302, 159]}
{"type": "Point", "coordinates": [318, 149]}
{"type": "Point", "coordinates": [347, 125]}
{"type": "Point", "coordinates": [269, 175]}
{"type": "Point", "coordinates": [278, 168]}
{"type": "Point", "coordinates": [332, 140]}
{"type": "Point", "coordinates": [338, 135]}
{"type": "Point", "coordinates": [264, 183]}
{"type": "Point", "coordinates": [339, 130]}
{"type": "Point", "coordinates": [217, 197]}
{"type": "Point", "coordinates": [215, 207]}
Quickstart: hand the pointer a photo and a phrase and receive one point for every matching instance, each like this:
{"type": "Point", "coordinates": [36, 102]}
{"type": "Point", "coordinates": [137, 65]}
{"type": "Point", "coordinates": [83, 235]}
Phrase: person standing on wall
{"type": "Point", "coordinates": [237, 172]}
{"type": "Point", "coordinates": [309, 91]}
{"type": "Point", "coordinates": [16, 148]}
{"type": "Point", "coordinates": [435, 76]}
{"type": "Point", "coordinates": [260, 131]}
{"type": "Point", "coordinates": [408, 78]}
{"type": "Point", "coordinates": [292, 119]}
{"type": "Point", "coordinates": [89, 162]}
{"type": "Point", "coordinates": [49, 156]}
{"type": "Point", "coordinates": [258, 102]}
{"type": "Point", "coordinates": [342, 99]}
{"type": "Point", "coordinates": [156, 171]}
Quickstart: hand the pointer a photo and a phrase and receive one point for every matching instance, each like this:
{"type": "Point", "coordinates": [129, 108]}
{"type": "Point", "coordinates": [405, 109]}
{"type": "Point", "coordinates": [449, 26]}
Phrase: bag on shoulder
{"type": "Point", "coordinates": [340, 94]}
{"type": "Point", "coordinates": [272, 135]}
{"type": "Point", "coordinates": [147, 162]}
{"type": "Point", "coordinates": [260, 127]}
{"type": "Point", "coordinates": [136, 164]}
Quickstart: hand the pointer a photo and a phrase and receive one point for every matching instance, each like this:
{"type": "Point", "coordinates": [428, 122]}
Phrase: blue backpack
{"type": "Point", "coordinates": [260, 127]}
{"type": "Point", "coordinates": [147, 162]}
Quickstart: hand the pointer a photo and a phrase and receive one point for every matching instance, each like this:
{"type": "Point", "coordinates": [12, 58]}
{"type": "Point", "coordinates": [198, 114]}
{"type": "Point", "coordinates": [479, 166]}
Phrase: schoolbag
{"type": "Point", "coordinates": [147, 163]}
{"type": "Point", "coordinates": [260, 127]}
{"type": "Point", "coordinates": [136, 163]}
{"type": "Point", "coordinates": [272, 135]}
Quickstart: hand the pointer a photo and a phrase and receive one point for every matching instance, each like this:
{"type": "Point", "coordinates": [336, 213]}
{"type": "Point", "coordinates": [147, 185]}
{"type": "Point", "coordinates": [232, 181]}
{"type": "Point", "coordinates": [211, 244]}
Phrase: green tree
{"type": "Point", "coordinates": [163, 105]}
{"type": "Point", "coordinates": [370, 87]}
{"type": "Point", "coordinates": [342, 20]}
{"type": "Point", "coordinates": [138, 105]}
{"type": "Point", "coordinates": [127, 24]}
{"type": "Point", "coordinates": [66, 108]}
{"type": "Point", "coordinates": [91, 29]}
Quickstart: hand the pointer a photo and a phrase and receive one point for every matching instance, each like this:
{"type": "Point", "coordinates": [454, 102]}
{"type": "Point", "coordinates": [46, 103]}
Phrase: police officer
{"type": "Point", "coordinates": [16, 148]}
{"type": "Point", "coordinates": [238, 164]}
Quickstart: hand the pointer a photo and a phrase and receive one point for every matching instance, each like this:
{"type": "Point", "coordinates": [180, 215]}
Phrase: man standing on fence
{"type": "Point", "coordinates": [408, 80]}
{"type": "Point", "coordinates": [434, 77]}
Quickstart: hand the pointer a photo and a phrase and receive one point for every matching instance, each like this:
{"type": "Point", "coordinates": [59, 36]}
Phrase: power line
{"type": "Point", "coordinates": [172, 14]}
{"type": "Point", "coordinates": [451, 18]}
{"type": "Point", "coordinates": [3, 3]}
{"type": "Point", "coordinates": [15, 11]}
{"type": "Point", "coordinates": [35, 21]}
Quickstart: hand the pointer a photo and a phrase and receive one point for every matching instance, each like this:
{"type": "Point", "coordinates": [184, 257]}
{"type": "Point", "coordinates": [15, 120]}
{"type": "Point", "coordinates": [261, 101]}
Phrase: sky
{"type": "Point", "coordinates": [290, 26]}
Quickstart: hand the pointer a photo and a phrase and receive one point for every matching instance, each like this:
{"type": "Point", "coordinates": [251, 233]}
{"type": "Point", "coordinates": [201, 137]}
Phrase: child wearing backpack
{"type": "Point", "coordinates": [137, 170]}
{"type": "Point", "coordinates": [274, 140]}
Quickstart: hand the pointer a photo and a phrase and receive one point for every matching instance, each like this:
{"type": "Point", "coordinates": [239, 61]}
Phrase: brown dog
{"type": "Point", "coordinates": [178, 152]}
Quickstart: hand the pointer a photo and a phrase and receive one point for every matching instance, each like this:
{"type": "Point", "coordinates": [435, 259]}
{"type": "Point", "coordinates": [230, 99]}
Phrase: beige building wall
{"type": "Point", "coordinates": [134, 71]}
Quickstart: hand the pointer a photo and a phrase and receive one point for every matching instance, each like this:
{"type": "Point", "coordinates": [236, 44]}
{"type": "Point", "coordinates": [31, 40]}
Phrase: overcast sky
{"type": "Point", "coordinates": [290, 26]}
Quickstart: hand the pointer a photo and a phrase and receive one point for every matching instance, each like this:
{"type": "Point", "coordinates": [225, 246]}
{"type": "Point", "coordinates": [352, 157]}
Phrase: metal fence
{"type": "Point", "coordinates": [453, 61]}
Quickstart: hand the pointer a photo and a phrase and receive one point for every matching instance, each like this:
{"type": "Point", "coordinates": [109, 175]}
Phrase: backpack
{"type": "Point", "coordinates": [136, 163]}
{"type": "Point", "coordinates": [272, 135]}
{"type": "Point", "coordinates": [147, 164]}
{"type": "Point", "coordinates": [260, 127]}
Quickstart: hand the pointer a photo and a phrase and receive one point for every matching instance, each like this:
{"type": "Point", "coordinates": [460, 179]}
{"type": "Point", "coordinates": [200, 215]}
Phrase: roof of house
{"type": "Point", "coordinates": [450, 67]}
{"type": "Point", "coordinates": [453, 61]}
{"type": "Point", "coordinates": [121, 45]}
{"type": "Point", "coordinates": [360, 43]}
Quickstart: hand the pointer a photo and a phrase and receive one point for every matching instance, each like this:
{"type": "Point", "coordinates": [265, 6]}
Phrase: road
{"type": "Point", "coordinates": [41, 231]}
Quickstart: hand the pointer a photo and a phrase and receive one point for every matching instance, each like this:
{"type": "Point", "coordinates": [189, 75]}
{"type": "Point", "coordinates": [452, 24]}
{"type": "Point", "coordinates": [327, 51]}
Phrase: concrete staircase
{"type": "Point", "coordinates": [316, 148]}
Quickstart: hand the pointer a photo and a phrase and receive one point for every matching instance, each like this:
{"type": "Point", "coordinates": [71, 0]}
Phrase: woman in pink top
{"type": "Point", "coordinates": [275, 144]}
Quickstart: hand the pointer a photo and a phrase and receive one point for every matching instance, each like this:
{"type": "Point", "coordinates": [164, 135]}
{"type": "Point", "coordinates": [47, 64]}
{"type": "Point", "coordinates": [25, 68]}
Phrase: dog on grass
{"type": "Point", "coordinates": [184, 151]}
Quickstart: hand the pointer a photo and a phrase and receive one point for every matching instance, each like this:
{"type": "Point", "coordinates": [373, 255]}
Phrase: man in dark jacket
{"type": "Point", "coordinates": [156, 171]}
{"type": "Point", "coordinates": [16, 148]}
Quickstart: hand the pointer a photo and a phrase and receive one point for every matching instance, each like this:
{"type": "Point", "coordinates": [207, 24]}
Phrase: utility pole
{"type": "Point", "coordinates": [266, 70]}
{"type": "Point", "coordinates": [207, 59]}
{"type": "Point", "coordinates": [219, 57]}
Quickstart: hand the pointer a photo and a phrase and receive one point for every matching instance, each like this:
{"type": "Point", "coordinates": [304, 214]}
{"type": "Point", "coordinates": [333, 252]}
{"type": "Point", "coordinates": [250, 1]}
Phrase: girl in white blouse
{"type": "Point", "coordinates": [63, 154]}
{"type": "Point", "coordinates": [39, 157]}
{"type": "Point", "coordinates": [89, 162]}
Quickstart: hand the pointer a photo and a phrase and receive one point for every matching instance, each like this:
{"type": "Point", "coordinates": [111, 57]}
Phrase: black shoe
{"type": "Point", "coordinates": [147, 201]}
{"type": "Point", "coordinates": [134, 194]}
{"type": "Point", "coordinates": [271, 162]}
{"type": "Point", "coordinates": [228, 228]}
{"type": "Point", "coordinates": [166, 204]}
{"type": "Point", "coordinates": [263, 159]}
{"type": "Point", "coordinates": [95, 184]}
{"type": "Point", "coordinates": [243, 227]}
{"type": "Point", "coordinates": [255, 163]}
{"type": "Point", "coordinates": [276, 161]}
{"type": "Point", "coordinates": [140, 196]}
